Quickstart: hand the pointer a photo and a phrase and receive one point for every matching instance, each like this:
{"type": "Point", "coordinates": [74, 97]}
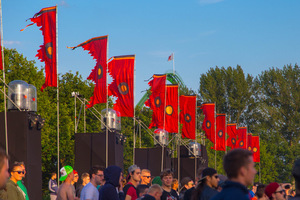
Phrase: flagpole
{"type": "Point", "coordinates": [134, 139]}
{"type": "Point", "coordinates": [106, 130]}
{"type": "Point", "coordinates": [179, 139]}
{"type": "Point", "coordinates": [259, 158]}
{"type": "Point", "coordinates": [196, 139]}
{"type": "Point", "coordinates": [225, 134]}
{"type": "Point", "coordinates": [215, 137]}
{"type": "Point", "coordinates": [84, 118]}
{"type": "Point", "coordinates": [4, 89]}
{"type": "Point", "coordinates": [75, 111]}
{"type": "Point", "coordinates": [58, 159]}
{"type": "Point", "coordinates": [173, 63]}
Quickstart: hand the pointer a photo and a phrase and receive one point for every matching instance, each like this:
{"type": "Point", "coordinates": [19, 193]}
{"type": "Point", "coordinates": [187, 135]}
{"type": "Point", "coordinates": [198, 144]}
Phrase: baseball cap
{"type": "Point", "coordinates": [157, 180]}
{"type": "Point", "coordinates": [64, 172]}
{"type": "Point", "coordinates": [271, 188]}
{"type": "Point", "coordinates": [208, 172]}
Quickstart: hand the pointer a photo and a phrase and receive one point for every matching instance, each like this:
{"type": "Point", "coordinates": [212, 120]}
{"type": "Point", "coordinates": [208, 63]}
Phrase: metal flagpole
{"type": "Point", "coordinates": [259, 159]}
{"type": "Point", "coordinates": [178, 139]}
{"type": "Point", "coordinates": [84, 118]}
{"type": "Point", "coordinates": [106, 131]}
{"type": "Point", "coordinates": [75, 111]}
{"type": "Point", "coordinates": [4, 88]}
{"type": "Point", "coordinates": [133, 160]}
{"type": "Point", "coordinates": [225, 134]}
{"type": "Point", "coordinates": [196, 141]}
{"type": "Point", "coordinates": [215, 137]}
{"type": "Point", "coordinates": [58, 159]}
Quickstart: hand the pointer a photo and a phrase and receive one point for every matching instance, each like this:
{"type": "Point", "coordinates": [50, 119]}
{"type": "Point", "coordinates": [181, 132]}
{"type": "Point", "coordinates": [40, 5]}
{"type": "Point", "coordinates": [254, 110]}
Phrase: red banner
{"type": "Point", "coordinates": [242, 135]}
{"type": "Point", "coordinates": [46, 19]}
{"type": "Point", "coordinates": [156, 101]}
{"type": "Point", "coordinates": [208, 125]}
{"type": "Point", "coordinates": [249, 141]}
{"type": "Point", "coordinates": [97, 47]}
{"type": "Point", "coordinates": [188, 116]}
{"type": "Point", "coordinates": [121, 68]}
{"type": "Point", "coordinates": [232, 136]}
{"type": "Point", "coordinates": [256, 148]}
{"type": "Point", "coordinates": [171, 115]}
{"type": "Point", "coordinates": [221, 132]}
{"type": "Point", "coordinates": [1, 59]}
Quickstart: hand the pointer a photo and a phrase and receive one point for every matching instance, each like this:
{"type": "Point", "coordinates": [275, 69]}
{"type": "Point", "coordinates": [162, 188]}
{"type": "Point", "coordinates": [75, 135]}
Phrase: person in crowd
{"type": "Point", "coordinates": [166, 177]}
{"type": "Point", "coordinates": [156, 180]}
{"type": "Point", "coordinates": [4, 175]}
{"type": "Point", "coordinates": [20, 183]}
{"type": "Point", "coordinates": [189, 192]}
{"type": "Point", "coordinates": [145, 177]}
{"type": "Point", "coordinates": [253, 191]}
{"type": "Point", "coordinates": [74, 181]}
{"type": "Point", "coordinates": [260, 192]}
{"type": "Point", "coordinates": [186, 183]}
{"type": "Point", "coordinates": [12, 191]}
{"type": "Point", "coordinates": [113, 188]}
{"type": "Point", "coordinates": [206, 188]}
{"type": "Point", "coordinates": [141, 190]}
{"type": "Point", "coordinates": [85, 179]}
{"type": "Point", "coordinates": [154, 193]}
{"type": "Point", "coordinates": [52, 186]}
{"type": "Point", "coordinates": [65, 191]}
{"type": "Point", "coordinates": [296, 174]}
{"type": "Point", "coordinates": [239, 167]}
{"type": "Point", "coordinates": [274, 191]}
{"type": "Point", "coordinates": [175, 185]}
{"type": "Point", "coordinates": [134, 173]}
{"type": "Point", "coordinates": [90, 191]}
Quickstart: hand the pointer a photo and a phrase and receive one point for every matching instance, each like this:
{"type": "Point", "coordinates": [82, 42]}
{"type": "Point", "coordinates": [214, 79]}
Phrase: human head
{"type": "Point", "coordinates": [210, 176]}
{"type": "Point", "coordinates": [85, 178]}
{"type": "Point", "coordinates": [97, 175]}
{"type": "Point", "coordinates": [175, 184]}
{"type": "Point", "coordinates": [66, 174]}
{"type": "Point", "coordinates": [145, 177]}
{"type": "Point", "coordinates": [239, 166]}
{"type": "Point", "coordinates": [3, 168]}
{"type": "Point", "coordinates": [53, 175]}
{"type": "Point", "coordinates": [275, 191]}
{"type": "Point", "coordinates": [260, 192]}
{"type": "Point", "coordinates": [134, 173]}
{"type": "Point", "coordinates": [155, 191]}
{"type": "Point", "coordinates": [186, 183]}
{"type": "Point", "coordinates": [76, 176]}
{"type": "Point", "coordinates": [113, 175]}
{"type": "Point", "coordinates": [23, 168]}
{"type": "Point", "coordinates": [157, 180]}
{"type": "Point", "coordinates": [166, 177]}
{"type": "Point", "coordinates": [141, 190]}
{"type": "Point", "coordinates": [16, 172]}
{"type": "Point", "coordinates": [296, 174]}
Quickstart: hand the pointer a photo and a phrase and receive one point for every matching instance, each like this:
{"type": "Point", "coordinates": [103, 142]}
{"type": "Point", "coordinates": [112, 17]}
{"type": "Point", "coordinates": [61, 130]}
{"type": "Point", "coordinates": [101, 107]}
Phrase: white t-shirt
{"type": "Point", "coordinates": [89, 191]}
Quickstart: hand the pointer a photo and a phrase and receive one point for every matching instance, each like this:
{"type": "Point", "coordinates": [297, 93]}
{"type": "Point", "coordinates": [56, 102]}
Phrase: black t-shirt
{"type": "Point", "coordinates": [169, 195]}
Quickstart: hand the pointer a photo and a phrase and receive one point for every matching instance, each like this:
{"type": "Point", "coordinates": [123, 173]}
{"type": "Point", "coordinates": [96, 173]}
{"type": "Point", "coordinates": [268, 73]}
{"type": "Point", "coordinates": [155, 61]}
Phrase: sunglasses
{"type": "Point", "coordinates": [281, 192]}
{"type": "Point", "coordinates": [147, 176]}
{"type": "Point", "coordinates": [216, 176]}
{"type": "Point", "coordinates": [20, 172]}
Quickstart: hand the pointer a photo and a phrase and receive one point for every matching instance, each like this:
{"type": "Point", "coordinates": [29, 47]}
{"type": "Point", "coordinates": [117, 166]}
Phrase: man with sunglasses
{"type": "Point", "coordinates": [145, 177]}
{"type": "Point", "coordinates": [20, 183]}
{"type": "Point", "coordinates": [275, 192]}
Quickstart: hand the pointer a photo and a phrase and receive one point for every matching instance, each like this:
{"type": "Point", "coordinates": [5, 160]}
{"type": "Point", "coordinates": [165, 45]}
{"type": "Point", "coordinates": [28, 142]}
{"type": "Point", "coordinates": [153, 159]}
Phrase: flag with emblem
{"type": "Point", "coordinates": [208, 125]}
{"type": "Point", "coordinates": [232, 135]}
{"type": "Point", "coordinates": [242, 138]}
{"type": "Point", "coordinates": [249, 141]}
{"type": "Point", "coordinates": [221, 131]}
{"type": "Point", "coordinates": [121, 69]}
{"type": "Point", "coordinates": [171, 111]}
{"type": "Point", "coordinates": [97, 47]}
{"type": "Point", "coordinates": [255, 148]}
{"type": "Point", "coordinates": [46, 19]}
{"type": "Point", "coordinates": [188, 116]}
{"type": "Point", "coordinates": [156, 100]}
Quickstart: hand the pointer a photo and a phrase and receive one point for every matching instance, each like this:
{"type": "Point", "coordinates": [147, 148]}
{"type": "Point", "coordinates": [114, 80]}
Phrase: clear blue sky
{"type": "Point", "coordinates": [256, 34]}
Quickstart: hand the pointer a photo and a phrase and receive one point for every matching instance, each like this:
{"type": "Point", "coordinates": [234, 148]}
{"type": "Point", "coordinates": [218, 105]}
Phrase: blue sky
{"type": "Point", "coordinates": [256, 34]}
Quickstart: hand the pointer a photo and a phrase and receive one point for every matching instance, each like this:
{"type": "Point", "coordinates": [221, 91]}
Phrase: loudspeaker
{"type": "Point", "coordinates": [24, 144]}
{"type": "Point", "coordinates": [151, 158]}
{"type": "Point", "coordinates": [90, 150]}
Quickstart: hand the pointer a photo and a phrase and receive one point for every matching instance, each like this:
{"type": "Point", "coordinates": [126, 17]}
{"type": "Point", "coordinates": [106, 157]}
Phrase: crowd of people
{"type": "Point", "coordinates": [109, 184]}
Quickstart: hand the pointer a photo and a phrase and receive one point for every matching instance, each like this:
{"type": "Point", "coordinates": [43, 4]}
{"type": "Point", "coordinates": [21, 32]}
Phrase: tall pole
{"type": "Point", "coordinates": [58, 159]}
{"type": "Point", "coordinates": [178, 139]}
{"type": "Point", "coordinates": [4, 88]}
{"type": "Point", "coordinates": [84, 118]}
{"type": "Point", "coordinates": [134, 140]}
{"type": "Point", "coordinates": [215, 138]}
{"type": "Point", "coordinates": [106, 130]}
{"type": "Point", "coordinates": [173, 63]}
{"type": "Point", "coordinates": [259, 159]}
{"type": "Point", "coordinates": [196, 139]}
{"type": "Point", "coordinates": [75, 96]}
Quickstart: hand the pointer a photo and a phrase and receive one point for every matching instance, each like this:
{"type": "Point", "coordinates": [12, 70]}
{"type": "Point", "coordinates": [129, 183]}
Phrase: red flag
{"type": "Point", "coordinates": [249, 141]}
{"type": "Point", "coordinates": [97, 47]}
{"type": "Point", "coordinates": [156, 101]}
{"type": "Point", "coordinates": [171, 116]}
{"type": "Point", "coordinates": [256, 148]}
{"type": "Point", "coordinates": [232, 135]}
{"type": "Point", "coordinates": [46, 19]}
{"type": "Point", "coordinates": [171, 57]}
{"type": "Point", "coordinates": [188, 116]}
{"type": "Point", "coordinates": [221, 130]}
{"type": "Point", "coordinates": [1, 64]}
{"type": "Point", "coordinates": [242, 135]}
{"type": "Point", "coordinates": [121, 68]}
{"type": "Point", "coordinates": [208, 125]}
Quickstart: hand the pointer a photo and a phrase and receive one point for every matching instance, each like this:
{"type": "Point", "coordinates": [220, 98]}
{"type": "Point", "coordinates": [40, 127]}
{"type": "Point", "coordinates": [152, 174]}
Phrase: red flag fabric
{"type": "Point", "coordinates": [242, 135]}
{"type": "Point", "coordinates": [46, 19]}
{"type": "Point", "coordinates": [256, 148]}
{"type": "Point", "coordinates": [97, 47]}
{"type": "Point", "coordinates": [232, 136]}
{"type": "Point", "coordinates": [188, 116]}
{"type": "Point", "coordinates": [171, 115]}
{"type": "Point", "coordinates": [1, 64]}
{"type": "Point", "coordinates": [221, 132]}
{"type": "Point", "coordinates": [208, 125]}
{"type": "Point", "coordinates": [171, 57]}
{"type": "Point", "coordinates": [156, 101]}
{"type": "Point", "coordinates": [121, 68]}
{"type": "Point", "coordinates": [249, 141]}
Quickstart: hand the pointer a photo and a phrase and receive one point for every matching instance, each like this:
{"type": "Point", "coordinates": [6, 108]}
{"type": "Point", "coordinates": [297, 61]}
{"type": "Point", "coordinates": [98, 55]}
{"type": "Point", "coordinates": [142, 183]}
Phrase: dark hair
{"type": "Point", "coordinates": [234, 160]}
{"type": "Point", "coordinates": [3, 156]}
{"type": "Point", "coordinates": [95, 169]}
{"type": "Point", "coordinates": [52, 174]}
{"type": "Point", "coordinates": [141, 189]}
{"type": "Point", "coordinates": [13, 166]}
{"type": "Point", "coordinates": [166, 172]}
{"type": "Point", "coordinates": [260, 190]}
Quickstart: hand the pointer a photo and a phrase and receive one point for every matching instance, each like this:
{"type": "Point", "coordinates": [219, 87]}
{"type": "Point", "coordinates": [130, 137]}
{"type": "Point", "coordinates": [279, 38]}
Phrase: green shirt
{"type": "Point", "coordinates": [23, 188]}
